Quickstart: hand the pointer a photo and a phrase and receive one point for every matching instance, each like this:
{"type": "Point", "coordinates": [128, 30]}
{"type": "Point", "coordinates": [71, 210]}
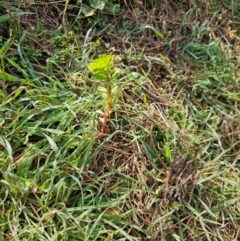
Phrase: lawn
{"type": "Point", "coordinates": [120, 120]}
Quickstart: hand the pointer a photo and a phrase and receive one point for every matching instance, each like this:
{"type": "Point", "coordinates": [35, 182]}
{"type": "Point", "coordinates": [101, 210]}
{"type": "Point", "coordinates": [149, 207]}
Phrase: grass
{"type": "Point", "coordinates": [167, 165]}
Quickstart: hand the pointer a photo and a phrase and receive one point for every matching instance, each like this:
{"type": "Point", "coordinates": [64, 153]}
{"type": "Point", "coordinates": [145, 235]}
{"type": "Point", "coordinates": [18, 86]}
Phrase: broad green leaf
{"type": "Point", "coordinates": [115, 90]}
{"type": "Point", "coordinates": [111, 7]}
{"type": "Point", "coordinates": [98, 4]}
{"type": "Point", "coordinates": [101, 64]}
{"type": "Point", "coordinates": [99, 75]}
{"type": "Point", "coordinates": [102, 89]}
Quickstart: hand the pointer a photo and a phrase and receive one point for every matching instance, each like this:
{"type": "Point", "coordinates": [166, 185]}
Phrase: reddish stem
{"type": "Point", "coordinates": [107, 113]}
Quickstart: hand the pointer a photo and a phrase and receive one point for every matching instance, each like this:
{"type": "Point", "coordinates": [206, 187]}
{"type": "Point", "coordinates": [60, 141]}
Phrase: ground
{"type": "Point", "coordinates": [119, 120]}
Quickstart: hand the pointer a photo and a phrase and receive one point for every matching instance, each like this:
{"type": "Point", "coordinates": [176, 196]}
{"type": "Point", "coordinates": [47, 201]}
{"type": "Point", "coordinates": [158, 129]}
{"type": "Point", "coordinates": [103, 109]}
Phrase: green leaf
{"type": "Point", "coordinates": [99, 75]}
{"type": "Point", "coordinates": [4, 142]}
{"type": "Point", "coordinates": [98, 4]}
{"type": "Point", "coordinates": [101, 64]}
{"type": "Point", "coordinates": [115, 90]}
{"type": "Point", "coordinates": [100, 67]}
{"type": "Point", "coordinates": [102, 89]}
{"type": "Point", "coordinates": [116, 72]}
{"type": "Point", "coordinates": [6, 17]}
{"type": "Point", "coordinates": [113, 8]}
{"type": "Point", "coordinates": [159, 34]}
{"type": "Point", "coordinates": [51, 142]}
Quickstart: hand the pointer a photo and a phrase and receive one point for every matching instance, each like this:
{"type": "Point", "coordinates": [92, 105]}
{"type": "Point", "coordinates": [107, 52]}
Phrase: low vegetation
{"type": "Point", "coordinates": [119, 120]}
